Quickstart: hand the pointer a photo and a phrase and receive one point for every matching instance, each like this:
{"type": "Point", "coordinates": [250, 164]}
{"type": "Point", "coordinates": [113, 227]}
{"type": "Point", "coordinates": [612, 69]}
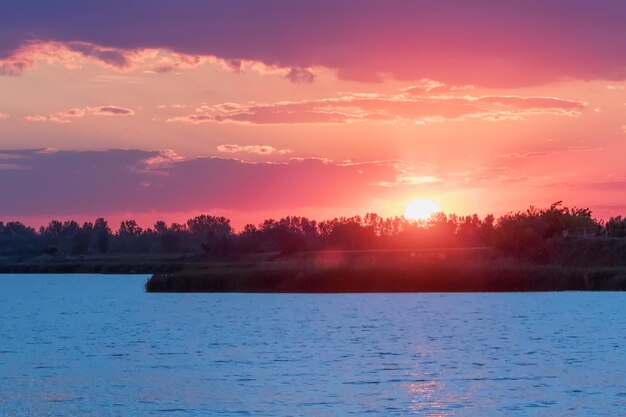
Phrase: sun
{"type": "Point", "coordinates": [421, 209]}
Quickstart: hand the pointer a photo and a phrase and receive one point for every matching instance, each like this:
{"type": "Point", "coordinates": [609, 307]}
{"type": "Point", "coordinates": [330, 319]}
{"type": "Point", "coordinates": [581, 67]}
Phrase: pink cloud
{"type": "Point", "coordinates": [37, 118]}
{"type": "Point", "coordinates": [74, 55]}
{"type": "Point", "coordinates": [518, 102]}
{"type": "Point", "coordinates": [163, 157]}
{"type": "Point", "coordinates": [426, 86]}
{"type": "Point", "coordinates": [432, 178]}
{"type": "Point", "coordinates": [551, 152]}
{"type": "Point", "coordinates": [253, 149]}
{"type": "Point", "coordinates": [192, 118]}
{"type": "Point", "coordinates": [71, 55]}
{"type": "Point", "coordinates": [76, 113]}
{"type": "Point", "coordinates": [405, 106]}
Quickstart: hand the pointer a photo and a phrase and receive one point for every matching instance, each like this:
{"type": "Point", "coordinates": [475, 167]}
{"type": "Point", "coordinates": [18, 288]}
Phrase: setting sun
{"type": "Point", "coordinates": [421, 209]}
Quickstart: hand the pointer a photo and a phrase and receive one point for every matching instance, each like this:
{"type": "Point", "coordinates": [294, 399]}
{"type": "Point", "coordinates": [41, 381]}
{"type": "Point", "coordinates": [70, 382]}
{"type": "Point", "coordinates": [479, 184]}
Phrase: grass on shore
{"type": "Point", "coordinates": [427, 270]}
{"type": "Point", "coordinates": [341, 272]}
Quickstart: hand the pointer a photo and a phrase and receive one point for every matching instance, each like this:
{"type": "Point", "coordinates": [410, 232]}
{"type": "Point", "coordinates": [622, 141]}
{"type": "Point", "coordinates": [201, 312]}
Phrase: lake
{"type": "Point", "coordinates": [93, 345]}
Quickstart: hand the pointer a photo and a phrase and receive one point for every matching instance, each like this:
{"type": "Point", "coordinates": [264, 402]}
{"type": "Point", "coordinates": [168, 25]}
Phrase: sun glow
{"type": "Point", "coordinates": [421, 209]}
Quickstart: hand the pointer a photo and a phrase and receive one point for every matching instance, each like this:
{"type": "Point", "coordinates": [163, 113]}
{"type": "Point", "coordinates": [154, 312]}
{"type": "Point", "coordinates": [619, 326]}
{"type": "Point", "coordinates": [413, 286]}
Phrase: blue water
{"type": "Point", "coordinates": [90, 345]}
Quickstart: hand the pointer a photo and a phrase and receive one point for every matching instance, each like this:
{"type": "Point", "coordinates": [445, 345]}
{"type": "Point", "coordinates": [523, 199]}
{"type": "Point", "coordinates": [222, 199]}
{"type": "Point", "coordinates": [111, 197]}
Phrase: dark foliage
{"type": "Point", "coordinates": [527, 234]}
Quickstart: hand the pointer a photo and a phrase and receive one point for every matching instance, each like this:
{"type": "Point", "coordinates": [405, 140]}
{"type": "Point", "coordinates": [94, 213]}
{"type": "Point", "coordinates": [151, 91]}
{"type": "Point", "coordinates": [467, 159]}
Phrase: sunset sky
{"type": "Point", "coordinates": [164, 110]}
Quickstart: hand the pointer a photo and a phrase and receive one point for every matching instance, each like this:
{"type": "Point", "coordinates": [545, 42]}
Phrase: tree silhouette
{"type": "Point", "coordinates": [102, 233]}
{"type": "Point", "coordinates": [212, 233]}
{"type": "Point", "coordinates": [528, 233]}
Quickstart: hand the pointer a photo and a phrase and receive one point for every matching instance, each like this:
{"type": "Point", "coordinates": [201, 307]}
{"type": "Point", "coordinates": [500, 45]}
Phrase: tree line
{"type": "Point", "coordinates": [514, 232]}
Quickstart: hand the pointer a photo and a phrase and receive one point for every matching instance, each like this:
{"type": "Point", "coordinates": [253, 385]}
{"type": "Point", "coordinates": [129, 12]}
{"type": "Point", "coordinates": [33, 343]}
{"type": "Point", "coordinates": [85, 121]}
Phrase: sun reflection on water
{"type": "Point", "coordinates": [432, 397]}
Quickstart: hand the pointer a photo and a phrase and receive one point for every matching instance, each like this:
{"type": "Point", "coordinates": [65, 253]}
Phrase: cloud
{"type": "Point", "coordinates": [611, 185]}
{"type": "Point", "coordinates": [105, 183]}
{"type": "Point", "coordinates": [483, 43]}
{"type": "Point", "coordinates": [118, 181]}
{"type": "Point", "coordinates": [36, 118]}
{"type": "Point", "coordinates": [74, 55]}
{"type": "Point", "coordinates": [111, 56]}
{"type": "Point", "coordinates": [533, 154]}
{"type": "Point", "coordinates": [76, 113]}
{"type": "Point", "coordinates": [4, 115]}
{"type": "Point", "coordinates": [488, 176]}
{"type": "Point", "coordinates": [254, 149]}
{"type": "Point", "coordinates": [402, 180]}
{"type": "Point", "coordinates": [173, 106]}
{"type": "Point", "coordinates": [378, 107]}
{"type": "Point", "coordinates": [300, 76]}
{"type": "Point", "coordinates": [427, 176]}
{"type": "Point", "coordinates": [192, 118]}
{"type": "Point", "coordinates": [111, 111]}
{"type": "Point", "coordinates": [163, 157]}
{"type": "Point", "coordinates": [71, 55]}
{"type": "Point", "coordinates": [551, 152]}
{"type": "Point", "coordinates": [518, 102]}
{"type": "Point", "coordinates": [426, 86]}
{"type": "Point", "coordinates": [583, 148]}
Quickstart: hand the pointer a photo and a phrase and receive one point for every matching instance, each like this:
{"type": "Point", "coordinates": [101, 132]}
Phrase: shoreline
{"type": "Point", "coordinates": [336, 271]}
{"type": "Point", "coordinates": [437, 271]}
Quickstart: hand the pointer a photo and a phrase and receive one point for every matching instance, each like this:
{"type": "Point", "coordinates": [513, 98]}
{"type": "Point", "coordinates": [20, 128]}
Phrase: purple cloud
{"type": "Point", "coordinates": [106, 182]}
{"type": "Point", "coordinates": [459, 42]}
{"type": "Point", "coordinates": [112, 111]}
{"type": "Point", "coordinates": [300, 76]}
{"type": "Point", "coordinates": [110, 56]}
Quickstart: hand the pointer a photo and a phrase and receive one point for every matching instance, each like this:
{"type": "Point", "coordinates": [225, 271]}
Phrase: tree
{"type": "Point", "coordinates": [102, 233]}
{"type": "Point", "coordinates": [616, 227]}
{"type": "Point", "coordinates": [212, 233]}
{"type": "Point", "coordinates": [80, 243]}
{"type": "Point", "coordinates": [347, 233]}
{"type": "Point", "coordinates": [169, 242]}
{"type": "Point", "coordinates": [160, 226]}
{"type": "Point", "coordinates": [129, 229]}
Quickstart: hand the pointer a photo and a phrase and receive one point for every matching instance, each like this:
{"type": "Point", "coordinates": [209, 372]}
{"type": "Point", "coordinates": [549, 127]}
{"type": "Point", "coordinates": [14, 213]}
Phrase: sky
{"type": "Point", "coordinates": [165, 110]}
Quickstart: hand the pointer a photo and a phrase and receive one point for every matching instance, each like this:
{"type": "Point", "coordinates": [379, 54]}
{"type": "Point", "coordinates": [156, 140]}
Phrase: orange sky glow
{"type": "Point", "coordinates": [93, 126]}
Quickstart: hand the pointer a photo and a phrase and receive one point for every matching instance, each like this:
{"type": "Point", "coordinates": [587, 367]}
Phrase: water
{"type": "Point", "coordinates": [89, 345]}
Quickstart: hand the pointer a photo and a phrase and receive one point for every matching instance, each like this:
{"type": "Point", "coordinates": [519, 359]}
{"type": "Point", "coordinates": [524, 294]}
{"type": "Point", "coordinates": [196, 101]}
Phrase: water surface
{"type": "Point", "coordinates": [91, 345]}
